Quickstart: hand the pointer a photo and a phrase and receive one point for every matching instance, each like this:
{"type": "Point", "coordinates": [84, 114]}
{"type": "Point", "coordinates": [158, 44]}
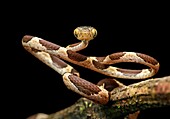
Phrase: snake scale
{"type": "Point", "coordinates": [53, 55]}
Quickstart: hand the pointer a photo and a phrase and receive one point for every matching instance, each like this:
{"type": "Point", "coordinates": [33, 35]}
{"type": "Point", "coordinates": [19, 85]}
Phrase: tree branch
{"type": "Point", "coordinates": [124, 100]}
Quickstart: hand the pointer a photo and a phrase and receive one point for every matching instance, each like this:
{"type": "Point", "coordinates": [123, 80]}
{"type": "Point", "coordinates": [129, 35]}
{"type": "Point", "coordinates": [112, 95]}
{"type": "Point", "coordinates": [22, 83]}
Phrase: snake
{"type": "Point", "coordinates": [55, 56]}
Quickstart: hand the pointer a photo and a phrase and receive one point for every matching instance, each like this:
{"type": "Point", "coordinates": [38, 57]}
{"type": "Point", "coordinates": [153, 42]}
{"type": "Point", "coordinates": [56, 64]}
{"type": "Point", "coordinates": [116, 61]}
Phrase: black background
{"type": "Point", "coordinates": [38, 89]}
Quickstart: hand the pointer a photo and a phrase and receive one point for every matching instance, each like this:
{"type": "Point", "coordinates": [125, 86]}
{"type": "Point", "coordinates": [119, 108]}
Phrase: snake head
{"type": "Point", "coordinates": [86, 33]}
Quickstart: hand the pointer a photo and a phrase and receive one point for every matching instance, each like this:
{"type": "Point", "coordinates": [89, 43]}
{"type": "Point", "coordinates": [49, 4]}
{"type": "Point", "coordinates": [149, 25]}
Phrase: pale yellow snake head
{"type": "Point", "coordinates": [85, 33]}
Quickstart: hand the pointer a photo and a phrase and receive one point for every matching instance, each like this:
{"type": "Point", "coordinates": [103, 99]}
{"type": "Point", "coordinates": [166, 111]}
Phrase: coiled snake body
{"type": "Point", "coordinates": [51, 54]}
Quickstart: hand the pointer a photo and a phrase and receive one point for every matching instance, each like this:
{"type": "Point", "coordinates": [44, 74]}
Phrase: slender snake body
{"type": "Point", "coordinates": [51, 54]}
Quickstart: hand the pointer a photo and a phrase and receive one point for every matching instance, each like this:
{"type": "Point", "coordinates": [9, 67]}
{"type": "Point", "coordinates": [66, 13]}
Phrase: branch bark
{"type": "Point", "coordinates": [125, 101]}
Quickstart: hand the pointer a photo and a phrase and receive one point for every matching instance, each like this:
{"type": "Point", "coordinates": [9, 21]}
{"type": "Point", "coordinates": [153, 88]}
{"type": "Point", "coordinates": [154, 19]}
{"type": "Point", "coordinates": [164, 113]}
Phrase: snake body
{"type": "Point", "coordinates": [52, 54]}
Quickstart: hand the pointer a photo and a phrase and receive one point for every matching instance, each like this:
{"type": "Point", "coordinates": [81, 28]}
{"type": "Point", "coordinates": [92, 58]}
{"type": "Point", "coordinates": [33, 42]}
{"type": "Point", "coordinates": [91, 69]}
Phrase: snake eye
{"type": "Point", "coordinates": [94, 32]}
{"type": "Point", "coordinates": [76, 32]}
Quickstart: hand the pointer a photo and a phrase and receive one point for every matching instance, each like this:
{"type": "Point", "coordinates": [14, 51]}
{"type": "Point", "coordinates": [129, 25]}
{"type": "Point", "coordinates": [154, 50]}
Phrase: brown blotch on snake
{"type": "Point", "coordinates": [76, 56]}
{"type": "Point", "coordinates": [100, 59]}
{"type": "Point", "coordinates": [49, 45]}
{"type": "Point", "coordinates": [84, 86]}
{"type": "Point", "coordinates": [116, 56]}
{"type": "Point", "coordinates": [27, 38]}
{"type": "Point", "coordinates": [109, 83]}
{"type": "Point", "coordinates": [147, 58]}
{"type": "Point", "coordinates": [98, 65]}
{"type": "Point", "coordinates": [58, 62]}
